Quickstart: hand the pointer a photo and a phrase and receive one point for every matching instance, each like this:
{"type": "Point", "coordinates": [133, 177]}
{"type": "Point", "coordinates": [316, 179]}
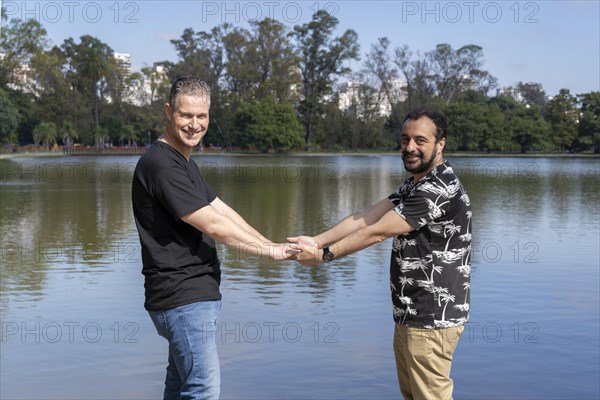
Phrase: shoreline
{"type": "Point", "coordinates": [316, 154]}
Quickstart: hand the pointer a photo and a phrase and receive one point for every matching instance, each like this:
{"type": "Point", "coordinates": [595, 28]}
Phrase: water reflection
{"type": "Point", "coordinates": [68, 238]}
{"type": "Point", "coordinates": [74, 215]}
{"type": "Point", "coordinates": [60, 215]}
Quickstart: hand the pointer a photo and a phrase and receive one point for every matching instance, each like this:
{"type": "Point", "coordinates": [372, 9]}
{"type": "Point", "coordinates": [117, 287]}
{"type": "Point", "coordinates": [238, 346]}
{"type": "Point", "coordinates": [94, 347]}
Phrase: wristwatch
{"type": "Point", "coordinates": [327, 255]}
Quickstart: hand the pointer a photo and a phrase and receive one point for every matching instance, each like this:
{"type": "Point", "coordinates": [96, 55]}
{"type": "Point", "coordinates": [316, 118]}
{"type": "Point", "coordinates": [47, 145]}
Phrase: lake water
{"type": "Point", "coordinates": [74, 327]}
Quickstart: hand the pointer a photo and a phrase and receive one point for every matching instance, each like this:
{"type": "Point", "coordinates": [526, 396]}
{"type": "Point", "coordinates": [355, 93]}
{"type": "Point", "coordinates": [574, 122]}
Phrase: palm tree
{"type": "Point", "coordinates": [447, 298]}
{"type": "Point", "coordinates": [465, 270]}
{"type": "Point", "coordinates": [467, 286]}
{"type": "Point", "coordinates": [452, 229]}
{"type": "Point", "coordinates": [465, 306]}
{"type": "Point", "coordinates": [68, 133]}
{"type": "Point", "coordinates": [101, 136]}
{"type": "Point", "coordinates": [435, 268]}
{"type": "Point", "coordinates": [438, 291]}
{"type": "Point", "coordinates": [91, 62]}
{"type": "Point", "coordinates": [408, 311]}
{"type": "Point", "coordinates": [405, 281]}
{"type": "Point", "coordinates": [414, 264]}
{"type": "Point", "coordinates": [435, 210]}
{"type": "Point", "coordinates": [94, 66]}
{"type": "Point", "coordinates": [408, 242]}
{"type": "Point", "coordinates": [128, 133]}
{"type": "Point", "coordinates": [45, 133]}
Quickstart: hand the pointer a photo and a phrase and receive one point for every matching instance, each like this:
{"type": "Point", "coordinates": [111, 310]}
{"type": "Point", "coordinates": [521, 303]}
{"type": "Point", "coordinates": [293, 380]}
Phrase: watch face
{"type": "Point", "coordinates": [328, 256]}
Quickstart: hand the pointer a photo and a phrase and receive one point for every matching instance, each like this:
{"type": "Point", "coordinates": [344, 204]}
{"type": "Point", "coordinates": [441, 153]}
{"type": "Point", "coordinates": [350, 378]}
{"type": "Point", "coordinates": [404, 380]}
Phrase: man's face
{"type": "Point", "coordinates": [419, 149]}
{"type": "Point", "coordinates": [187, 120]}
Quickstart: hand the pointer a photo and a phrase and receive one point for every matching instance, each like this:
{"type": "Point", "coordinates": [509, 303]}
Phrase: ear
{"type": "Point", "coordinates": [168, 111]}
{"type": "Point", "coordinates": [441, 145]}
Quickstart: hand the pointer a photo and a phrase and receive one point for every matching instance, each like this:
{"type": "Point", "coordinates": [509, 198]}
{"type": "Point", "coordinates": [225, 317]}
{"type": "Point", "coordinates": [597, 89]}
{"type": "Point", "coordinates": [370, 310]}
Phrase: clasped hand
{"type": "Point", "coordinates": [303, 249]}
{"type": "Point", "coordinates": [309, 253]}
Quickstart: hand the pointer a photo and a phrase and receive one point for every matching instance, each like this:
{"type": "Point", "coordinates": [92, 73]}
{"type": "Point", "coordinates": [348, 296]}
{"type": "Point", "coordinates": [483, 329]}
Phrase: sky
{"type": "Point", "coordinates": [552, 42]}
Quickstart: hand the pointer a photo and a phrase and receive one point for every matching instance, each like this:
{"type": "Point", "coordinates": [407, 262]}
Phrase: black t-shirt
{"type": "Point", "coordinates": [180, 263]}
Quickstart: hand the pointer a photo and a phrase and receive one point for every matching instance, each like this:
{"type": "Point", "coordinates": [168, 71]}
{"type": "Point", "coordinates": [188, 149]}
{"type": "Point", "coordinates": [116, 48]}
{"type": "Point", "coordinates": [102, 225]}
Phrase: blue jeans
{"type": "Point", "coordinates": [193, 371]}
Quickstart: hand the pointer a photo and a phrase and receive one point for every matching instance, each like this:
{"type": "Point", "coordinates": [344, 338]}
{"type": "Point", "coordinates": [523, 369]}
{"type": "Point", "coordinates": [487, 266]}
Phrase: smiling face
{"type": "Point", "coordinates": [187, 122]}
{"type": "Point", "coordinates": [420, 150]}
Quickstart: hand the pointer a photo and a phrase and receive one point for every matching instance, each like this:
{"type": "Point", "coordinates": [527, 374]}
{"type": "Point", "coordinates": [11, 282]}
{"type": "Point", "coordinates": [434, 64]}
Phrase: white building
{"type": "Point", "coordinates": [124, 62]}
{"type": "Point", "coordinates": [143, 90]}
{"type": "Point", "coordinates": [512, 92]}
{"type": "Point", "coordinates": [149, 91]}
{"type": "Point", "coordinates": [23, 79]}
{"type": "Point", "coordinates": [357, 94]}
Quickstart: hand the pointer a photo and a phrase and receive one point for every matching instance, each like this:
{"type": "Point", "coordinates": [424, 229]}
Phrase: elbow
{"type": "Point", "coordinates": [210, 225]}
{"type": "Point", "coordinates": [375, 235]}
{"type": "Point", "coordinates": [212, 230]}
{"type": "Point", "coordinates": [380, 237]}
{"type": "Point", "coordinates": [215, 230]}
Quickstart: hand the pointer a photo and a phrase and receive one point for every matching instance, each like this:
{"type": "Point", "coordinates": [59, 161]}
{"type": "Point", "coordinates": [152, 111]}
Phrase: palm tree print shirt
{"type": "Point", "coordinates": [431, 266]}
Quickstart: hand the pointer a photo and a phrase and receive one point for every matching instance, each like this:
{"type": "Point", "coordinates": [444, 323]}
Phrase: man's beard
{"type": "Point", "coordinates": [423, 165]}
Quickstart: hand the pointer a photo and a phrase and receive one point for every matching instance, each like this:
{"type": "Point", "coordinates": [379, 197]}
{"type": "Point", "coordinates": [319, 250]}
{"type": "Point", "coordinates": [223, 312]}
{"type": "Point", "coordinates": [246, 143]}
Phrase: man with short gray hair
{"type": "Point", "coordinates": [179, 217]}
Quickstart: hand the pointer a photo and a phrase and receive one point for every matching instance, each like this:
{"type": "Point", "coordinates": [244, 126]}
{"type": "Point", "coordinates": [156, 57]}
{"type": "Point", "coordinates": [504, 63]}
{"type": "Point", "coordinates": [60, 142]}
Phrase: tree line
{"type": "Point", "coordinates": [276, 88]}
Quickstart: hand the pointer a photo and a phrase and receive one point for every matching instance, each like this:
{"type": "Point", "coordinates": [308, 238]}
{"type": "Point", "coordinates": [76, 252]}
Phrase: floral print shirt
{"type": "Point", "coordinates": [430, 267]}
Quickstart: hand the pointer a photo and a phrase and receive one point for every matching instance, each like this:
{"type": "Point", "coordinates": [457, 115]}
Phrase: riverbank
{"type": "Point", "coordinates": [213, 152]}
{"type": "Point", "coordinates": [315, 154]}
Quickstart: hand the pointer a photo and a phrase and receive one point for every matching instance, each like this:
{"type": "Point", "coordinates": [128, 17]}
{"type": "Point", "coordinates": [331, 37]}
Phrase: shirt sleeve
{"type": "Point", "coordinates": [394, 198]}
{"type": "Point", "coordinates": [423, 205]}
{"type": "Point", "coordinates": [176, 191]}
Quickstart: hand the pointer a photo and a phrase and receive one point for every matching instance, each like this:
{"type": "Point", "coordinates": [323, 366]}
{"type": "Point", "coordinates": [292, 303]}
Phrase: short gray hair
{"type": "Point", "coordinates": [190, 86]}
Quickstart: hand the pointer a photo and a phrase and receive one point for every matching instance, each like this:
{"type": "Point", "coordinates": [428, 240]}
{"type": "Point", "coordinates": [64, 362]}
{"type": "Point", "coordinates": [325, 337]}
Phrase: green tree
{"type": "Point", "coordinates": [90, 63]}
{"type": "Point", "coordinates": [19, 42]}
{"type": "Point", "coordinates": [267, 125]}
{"type": "Point", "coordinates": [9, 119]}
{"type": "Point", "coordinates": [455, 71]}
{"type": "Point", "coordinates": [378, 63]}
{"type": "Point", "coordinates": [524, 125]}
{"type": "Point", "coordinates": [562, 114]}
{"type": "Point", "coordinates": [533, 94]}
{"type": "Point", "coordinates": [68, 133]}
{"type": "Point", "coordinates": [589, 123]}
{"type": "Point", "coordinates": [260, 62]}
{"type": "Point", "coordinates": [417, 72]}
{"type": "Point", "coordinates": [275, 61]}
{"type": "Point", "coordinates": [129, 133]}
{"type": "Point", "coordinates": [157, 81]}
{"type": "Point", "coordinates": [321, 59]}
{"type": "Point", "coordinates": [527, 128]}
{"type": "Point", "coordinates": [45, 133]}
{"type": "Point", "coordinates": [54, 97]}
{"type": "Point", "coordinates": [241, 65]}
{"type": "Point", "coordinates": [200, 54]}
{"type": "Point", "coordinates": [101, 136]}
{"type": "Point", "coordinates": [476, 127]}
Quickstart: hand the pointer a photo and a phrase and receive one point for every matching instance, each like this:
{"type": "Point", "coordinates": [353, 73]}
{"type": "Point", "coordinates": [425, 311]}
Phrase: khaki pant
{"type": "Point", "coordinates": [423, 361]}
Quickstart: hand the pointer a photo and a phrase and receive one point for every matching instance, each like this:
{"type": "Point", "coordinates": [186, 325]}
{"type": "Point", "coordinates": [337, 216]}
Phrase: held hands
{"type": "Point", "coordinates": [283, 251]}
{"type": "Point", "coordinates": [303, 249]}
{"type": "Point", "coordinates": [310, 253]}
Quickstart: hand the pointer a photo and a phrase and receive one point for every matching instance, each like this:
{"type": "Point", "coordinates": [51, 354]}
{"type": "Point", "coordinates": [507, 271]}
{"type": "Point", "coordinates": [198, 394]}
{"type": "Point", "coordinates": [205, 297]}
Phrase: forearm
{"type": "Point", "coordinates": [353, 223]}
{"type": "Point", "coordinates": [341, 230]}
{"type": "Point", "coordinates": [231, 234]}
{"type": "Point", "coordinates": [389, 225]}
{"type": "Point", "coordinates": [226, 231]}
{"type": "Point", "coordinates": [230, 213]}
{"type": "Point", "coordinates": [241, 222]}
{"type": "Point", "coordinates": [356, 241]}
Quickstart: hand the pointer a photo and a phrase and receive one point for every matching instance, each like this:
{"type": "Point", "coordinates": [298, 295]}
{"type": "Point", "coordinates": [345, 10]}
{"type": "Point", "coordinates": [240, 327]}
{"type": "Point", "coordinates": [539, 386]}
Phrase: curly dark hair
{"type": "Point", "coordinates": [438, 119]}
